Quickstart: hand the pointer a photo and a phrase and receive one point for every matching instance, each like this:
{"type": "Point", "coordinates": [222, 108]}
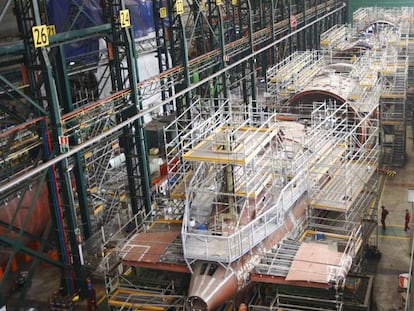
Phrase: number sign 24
{"type": "Point", "coordinates": [124, 18]}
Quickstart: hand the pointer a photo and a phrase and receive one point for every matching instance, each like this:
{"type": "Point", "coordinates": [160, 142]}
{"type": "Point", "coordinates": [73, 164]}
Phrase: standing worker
{"type": "Point", "coordinates": [90, 295]}
{"type": "Point", "coordinates": [384, 214]}
{"type": "Point", "coordinates": [407, 220]}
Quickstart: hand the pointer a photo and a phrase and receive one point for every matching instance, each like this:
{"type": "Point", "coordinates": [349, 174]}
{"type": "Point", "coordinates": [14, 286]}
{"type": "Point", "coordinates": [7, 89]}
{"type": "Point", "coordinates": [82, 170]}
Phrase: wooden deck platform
{"type": "Point", "coordinates": [341, 191]}
{"type": "Point", "coordinates": [214, 148]}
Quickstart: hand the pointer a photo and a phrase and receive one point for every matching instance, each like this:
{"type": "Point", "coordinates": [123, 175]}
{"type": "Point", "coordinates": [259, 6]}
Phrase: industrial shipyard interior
{"type": "Point", "coordinates": [206, 155]}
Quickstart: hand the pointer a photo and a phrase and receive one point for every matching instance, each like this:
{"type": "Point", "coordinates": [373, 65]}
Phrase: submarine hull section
{"type": "Point", "coordinates": [208, 289]}
{"type": "Point", "coordinates": [212, 284]}
{"type": "Point", "coordinates": [37, 217]}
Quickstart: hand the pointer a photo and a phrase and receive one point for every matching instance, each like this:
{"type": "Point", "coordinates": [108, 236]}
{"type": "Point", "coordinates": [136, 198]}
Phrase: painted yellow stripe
{"type": "Point", "coordinates": [327, 234]}
{"type": "Point", "coordinates": [396, 237]}
{"type": "Point", "coordinates": [245, 128]}
{"type": "Point", "coordinates": [387, 236]}
{"type": "Point", "coordinates": [102, 299]}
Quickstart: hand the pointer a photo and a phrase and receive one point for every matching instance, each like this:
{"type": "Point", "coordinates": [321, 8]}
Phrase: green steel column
{"type": "Point", "coordinates": [179, 54]}
{"type": "Point", "coordinates": [284, 15]}
{"type": "Point", "coordinates": [28, 15]}
{"type": "Point", "coordinates": [201, 27]}
{"type": "Point", "coordinates": [236, 33]}
{"type": "Point", "coordinates": [315, 30]}
{"type": "Point", "coordinates": [140, 142]}
{"type": "Point", "coordinates": [65, 99]}
{"type": "Point", "coordinates": [184, 60]}
{"type": "Point", "coordinates": [269, 7]}
{"type": "Point", "coordinates": [65, 183]}
{"type": "Point", "coordinates": [133, 136]}
{"type": "Point", "coordinates": [316, 41]}
{"type": "Point", "coordinates": [306, 32]}
{"type": "Point", "coordinates": [299, 36]}
{"type": "Point", "coordinates": [252, 61]}
{"type": "Point", "coordinates": [289, 8]}
{"type": "Point", "coordinates": [243, 67]}
{"type": "Point", "coordinates": [223, 90]}
{"type": "Point", "coordinates": [273, 12]}
{"type": "Point", "coordinates": [162, 48]}
{"type": "Point", "coordinates": [263, 9]}
{"type": "Point", "coordinates": [279, 16]}
{"type": "Point", "coordinates": [327, 23]}
{"type": "Point", "coordinates": [345, 13]}
{"type": "Point", "coordinates": [56, 212]}
{"type": "Point", "coordinates": [37, 61]}
{"type": "Point", "coordinates": [215, 41]}
{"type": "Point", "coordinates": [212, 17]}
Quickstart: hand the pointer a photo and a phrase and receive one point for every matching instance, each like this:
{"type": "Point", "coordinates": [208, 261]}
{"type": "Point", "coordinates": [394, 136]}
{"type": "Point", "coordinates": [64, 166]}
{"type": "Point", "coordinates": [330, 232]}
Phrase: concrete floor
{"type": "Point", "coordinates": [45, 282]}
{"type": "Point", "coordinates": [393, 243]}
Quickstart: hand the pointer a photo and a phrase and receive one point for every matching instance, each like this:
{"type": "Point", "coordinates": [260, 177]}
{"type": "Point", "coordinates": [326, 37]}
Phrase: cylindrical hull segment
{"type": "Point", "coordinates": [213, 283]}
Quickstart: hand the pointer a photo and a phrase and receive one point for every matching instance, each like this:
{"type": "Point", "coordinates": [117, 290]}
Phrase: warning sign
{"type": "Point", "coordinates": [293, 21]}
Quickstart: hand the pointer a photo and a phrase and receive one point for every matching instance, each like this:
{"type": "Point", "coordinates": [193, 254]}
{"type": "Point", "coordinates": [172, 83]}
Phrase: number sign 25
{"type": "Point", "coordinates": [40, 36]}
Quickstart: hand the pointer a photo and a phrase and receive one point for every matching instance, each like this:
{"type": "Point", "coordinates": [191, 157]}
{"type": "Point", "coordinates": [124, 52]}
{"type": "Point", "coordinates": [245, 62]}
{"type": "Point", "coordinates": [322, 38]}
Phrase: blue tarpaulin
{"type": "Point", "coordinates": [78, 14]}
{"type": "Point", "coordinates": [142, 16]}
{"type": "Point", "coordinates": [73, 15]}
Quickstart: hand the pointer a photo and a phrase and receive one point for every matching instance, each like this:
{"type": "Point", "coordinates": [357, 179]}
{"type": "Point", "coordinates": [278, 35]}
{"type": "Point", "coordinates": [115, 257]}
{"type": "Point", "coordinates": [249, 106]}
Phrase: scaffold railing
{"type": "Point", "coordinates": [86, 122]}
{"type": "Point", "coordinates": [332, 37]}
{"type": "Point", "coordinates": [361, 66]}
{"type": "Point", "coordinates": [343, 192]}
{"type": "Point", "coordinates": [294, 302]}
{"type": "Point", "coordinates": [400, 17]}
{"type": "Point", "coordinates": [204, 193]}
{"type": "Point", "coordinates": [124, 294]}
{"type": "Point", "coordinates": [16, 143]}
{"type": "Point", "coordinates": [369, 97]}
{"type": "Point", "coordinates": [184, 131]}
{"type": "Point", "coordinates": [102, 250]}
{"type": "Point", "coordinates": [293, 73]}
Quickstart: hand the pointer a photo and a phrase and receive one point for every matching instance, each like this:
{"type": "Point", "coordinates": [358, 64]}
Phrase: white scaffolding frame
{"type": "Point", "coordinates": [293, 73]}
{"type": "Point", "coordinates": [267, 180]}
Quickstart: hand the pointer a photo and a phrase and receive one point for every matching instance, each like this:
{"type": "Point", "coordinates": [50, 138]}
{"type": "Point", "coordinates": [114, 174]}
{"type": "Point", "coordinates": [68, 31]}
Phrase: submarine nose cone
{"type": "Point", "coordinates": [195, 303]}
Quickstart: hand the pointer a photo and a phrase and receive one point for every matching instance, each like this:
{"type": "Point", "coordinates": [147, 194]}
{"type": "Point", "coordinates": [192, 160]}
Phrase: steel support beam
{"type": "Point", "coordinates": [65, 99]}
{"type": "Point", "coordinates": [133, 139]}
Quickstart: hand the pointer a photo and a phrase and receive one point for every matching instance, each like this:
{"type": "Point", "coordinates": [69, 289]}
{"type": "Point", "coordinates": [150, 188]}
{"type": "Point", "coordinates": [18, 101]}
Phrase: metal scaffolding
{"type": "Point", "coordinates": [334, 37]}
{"type": "Point", "coordinates": [231, 138]}
{"type": "Point", "coordinates": [347, 87]}
{"type": "Point", "coordinates": [292, 74]}
{"type": "Point", "coordinates": [95, 192]}
{"type": "Point", "coordinates": [236, 160]}
{"type": "Point", "coordinates": [396, 101]}
{"type": "Point", "coordinates": [360, 57]}
{"type": "Point", "coordinates": [399, 17]}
